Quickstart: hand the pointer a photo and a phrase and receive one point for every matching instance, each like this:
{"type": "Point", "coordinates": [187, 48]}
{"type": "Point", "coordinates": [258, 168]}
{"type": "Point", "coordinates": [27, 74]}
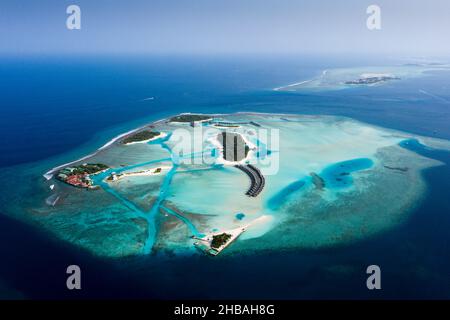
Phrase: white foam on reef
{"type": "Point", "coordinates": [49, 174]}
{"type": "Point", "coordinates": [438, 98]}
{"type": "Point", "coordinates": [119, 137]}
{"type": "Point", "coordinates": [292, 85]}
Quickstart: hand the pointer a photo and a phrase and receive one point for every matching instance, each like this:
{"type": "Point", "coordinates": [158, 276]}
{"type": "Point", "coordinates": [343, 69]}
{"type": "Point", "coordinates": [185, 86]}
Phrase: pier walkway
{"type": "Point", "coordinates": [257, 180]}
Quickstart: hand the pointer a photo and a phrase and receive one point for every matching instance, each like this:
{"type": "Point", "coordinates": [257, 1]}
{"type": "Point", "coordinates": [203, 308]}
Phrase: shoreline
{"type": "Point", "coordinates": [292, 85]}
{"type": "Point", "coordinates": [147, 172]}
{"type": "Point", "coordinates": [281, 88]}
{"type": "Point", "coordinates": [159, 136]}
{"type": "Point", "coordinates": [49, 174]}
{"type": "Point", "coordinates": [426, 140]}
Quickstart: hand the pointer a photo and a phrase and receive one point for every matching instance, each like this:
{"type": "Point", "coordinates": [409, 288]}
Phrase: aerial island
{"type": "Point", "coordinates": [141, 137]}
{"type": "Point", "coordinates": [253, 182]}
{"type": "Point", "coordinates": [345, 78]}
{"type": "Point", "coordinates": [80, 175]}
{"type": "Point", "coordinates": [371, 79]}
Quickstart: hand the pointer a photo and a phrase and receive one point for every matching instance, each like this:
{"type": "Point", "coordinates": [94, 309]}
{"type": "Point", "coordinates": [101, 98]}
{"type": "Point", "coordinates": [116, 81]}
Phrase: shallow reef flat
{"type": "Point", "coordinates": [379, 199]}
{"type": "Point", "coordinates": [325, 181]}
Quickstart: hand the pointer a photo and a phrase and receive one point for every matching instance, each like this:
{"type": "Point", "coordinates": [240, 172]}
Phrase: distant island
{"type": "Point", "coordinates": [345, 78]}
{"type": "Point", "coordinates": [372, 79]}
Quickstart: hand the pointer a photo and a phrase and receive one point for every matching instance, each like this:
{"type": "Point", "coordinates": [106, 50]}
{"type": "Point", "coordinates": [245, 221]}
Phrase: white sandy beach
{"type": "Point", "coordinates": [161, 135]}
{"type": "Point", "coordinates": [148, 172]}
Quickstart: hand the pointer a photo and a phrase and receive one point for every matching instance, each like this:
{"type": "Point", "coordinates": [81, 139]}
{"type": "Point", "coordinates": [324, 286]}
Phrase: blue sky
{"type": "Point", "coordinates": [412, 27]}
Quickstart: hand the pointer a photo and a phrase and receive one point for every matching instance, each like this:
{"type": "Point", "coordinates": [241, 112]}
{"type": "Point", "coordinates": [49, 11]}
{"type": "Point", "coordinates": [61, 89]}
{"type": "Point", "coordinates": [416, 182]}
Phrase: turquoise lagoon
{"type": "Point", "coordinates": [313, 243]}
{"type": "Point", "coordinates": [324, 176]}
{"type": "Point", "coordinates": [338, 175]}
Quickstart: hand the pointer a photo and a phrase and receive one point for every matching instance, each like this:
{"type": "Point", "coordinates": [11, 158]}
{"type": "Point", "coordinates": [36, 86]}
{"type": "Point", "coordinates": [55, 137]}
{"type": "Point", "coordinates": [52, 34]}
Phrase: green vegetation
{"type": "Point", "coordinates": [219, 240]}
{"type": "Point", "coordinates": [141, 136]}
{"type": "Point", "coordinates": [189, 118]}
{"type": "Point", "coordinates": [78, 176]}
{"type": "Point", "coordinates": [87, 168]}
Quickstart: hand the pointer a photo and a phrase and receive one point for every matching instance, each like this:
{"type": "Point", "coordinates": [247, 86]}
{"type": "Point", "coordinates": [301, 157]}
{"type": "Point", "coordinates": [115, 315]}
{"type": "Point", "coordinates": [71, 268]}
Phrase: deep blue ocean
{"type": "Point", "coordinates": [62, 108]}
